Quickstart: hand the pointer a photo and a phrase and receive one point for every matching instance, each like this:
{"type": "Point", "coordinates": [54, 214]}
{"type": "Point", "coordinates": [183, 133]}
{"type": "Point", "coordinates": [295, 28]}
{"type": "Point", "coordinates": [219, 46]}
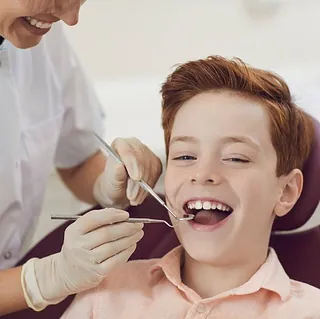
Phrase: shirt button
{"type": "Point", "coordinates": [7, 255]}
{"type": "Point", "coordinates": [201, 308]}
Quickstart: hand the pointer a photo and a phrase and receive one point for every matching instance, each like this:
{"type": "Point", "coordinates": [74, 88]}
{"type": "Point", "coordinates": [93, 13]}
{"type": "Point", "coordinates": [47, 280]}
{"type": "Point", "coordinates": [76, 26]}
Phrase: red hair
{"type": "Point", "coordinates": [291, 129]}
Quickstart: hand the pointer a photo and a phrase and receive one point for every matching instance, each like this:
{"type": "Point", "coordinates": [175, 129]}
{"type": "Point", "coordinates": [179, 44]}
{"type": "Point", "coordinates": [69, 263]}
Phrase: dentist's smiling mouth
{"type": "Point", "coordinates": [38, 23]}
{"type": "Point", "coordinates": [208, 212]}
{"type": "Point", "coordinates": [37, 27]}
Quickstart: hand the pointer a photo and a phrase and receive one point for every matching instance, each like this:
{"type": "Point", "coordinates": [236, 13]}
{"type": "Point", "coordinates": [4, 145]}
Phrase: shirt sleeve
{"type": "Point", "coordinates": [83, 110]}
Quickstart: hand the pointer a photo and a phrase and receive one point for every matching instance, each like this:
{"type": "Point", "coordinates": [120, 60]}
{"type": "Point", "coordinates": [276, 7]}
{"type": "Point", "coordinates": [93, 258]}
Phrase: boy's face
{"type": "Point", "coordinates": [222, 167]}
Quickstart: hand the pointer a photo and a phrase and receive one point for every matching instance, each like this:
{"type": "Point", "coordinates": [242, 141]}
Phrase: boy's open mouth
{"type": "Point", "coordinates": [207, 212]}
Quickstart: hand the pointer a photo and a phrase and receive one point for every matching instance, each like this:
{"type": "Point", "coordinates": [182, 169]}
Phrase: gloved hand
{"type": "Point", "coordinates": [116, 186]}
{"type": "Point", "coordinates": [93, 245]}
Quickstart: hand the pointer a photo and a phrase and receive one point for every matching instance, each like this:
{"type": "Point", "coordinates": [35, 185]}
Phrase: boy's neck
{"type": "Point", "coordinates": [209, 280]}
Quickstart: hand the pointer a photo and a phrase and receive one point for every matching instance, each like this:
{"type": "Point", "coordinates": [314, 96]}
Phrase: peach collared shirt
{"type": "Point", "coordinates": [152, 289]}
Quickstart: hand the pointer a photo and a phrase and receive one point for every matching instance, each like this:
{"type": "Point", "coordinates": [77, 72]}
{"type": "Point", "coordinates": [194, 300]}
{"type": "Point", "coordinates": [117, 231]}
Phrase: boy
{"type": "Point", "coordinates": [236, 144]}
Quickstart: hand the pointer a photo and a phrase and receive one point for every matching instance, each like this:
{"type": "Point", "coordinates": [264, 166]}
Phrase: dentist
{"type": "Point", "coordinates": [48, 111]}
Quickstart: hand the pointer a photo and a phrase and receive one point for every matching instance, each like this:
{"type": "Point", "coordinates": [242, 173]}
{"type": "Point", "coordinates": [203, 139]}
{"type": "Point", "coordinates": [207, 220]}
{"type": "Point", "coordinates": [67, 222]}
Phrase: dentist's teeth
{"type": "Point", "coordinates": [206, 205]}
{"type": "Point", "coordinates": [46, 25]}
{"type": "Point", "coordinates": [33, 22]}
{"type": "Point", "coordinates": [213, 206]}
{"type": "Point", "coordinates": [198, 204]}
{"type": "Point", "coordinates": [38, 24]}
{"type": "Point", "coordinates": [219, 207]}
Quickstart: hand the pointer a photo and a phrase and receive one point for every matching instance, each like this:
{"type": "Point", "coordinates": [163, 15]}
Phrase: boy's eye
{"type": "Point", "coordinates": [184, 158]}
{"type": "Point", "coordinates": [236, 160]}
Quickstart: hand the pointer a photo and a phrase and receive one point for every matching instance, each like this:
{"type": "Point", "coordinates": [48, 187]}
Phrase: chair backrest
{"type": "Point", "coordinates": [298, 252]}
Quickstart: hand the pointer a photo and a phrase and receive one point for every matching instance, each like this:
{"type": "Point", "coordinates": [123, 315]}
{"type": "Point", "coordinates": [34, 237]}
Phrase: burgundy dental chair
{"type": "Point", "coordinates": [299, 252]}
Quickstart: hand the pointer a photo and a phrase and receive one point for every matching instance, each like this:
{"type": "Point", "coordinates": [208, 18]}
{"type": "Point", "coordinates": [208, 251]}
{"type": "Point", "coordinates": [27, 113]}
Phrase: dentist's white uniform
{"type": "Point", "coordinates": [47, 113]}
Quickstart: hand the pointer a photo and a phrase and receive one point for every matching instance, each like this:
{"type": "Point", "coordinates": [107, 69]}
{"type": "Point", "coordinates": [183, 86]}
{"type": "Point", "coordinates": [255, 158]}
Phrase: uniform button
{"type": "Point", "coordinates": [201, 308]}
{"type": "Point", "coordinates": [7, 255]}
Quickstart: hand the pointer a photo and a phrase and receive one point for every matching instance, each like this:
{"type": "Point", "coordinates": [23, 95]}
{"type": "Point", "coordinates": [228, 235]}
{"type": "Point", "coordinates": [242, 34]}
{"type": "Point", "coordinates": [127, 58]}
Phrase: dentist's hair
{"type": "Point", "coordinates": [291, 129]}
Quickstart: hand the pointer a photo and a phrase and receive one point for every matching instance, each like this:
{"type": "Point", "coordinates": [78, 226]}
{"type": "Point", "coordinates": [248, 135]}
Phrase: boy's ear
{"type": "Point", "coordinates": [291, 189]}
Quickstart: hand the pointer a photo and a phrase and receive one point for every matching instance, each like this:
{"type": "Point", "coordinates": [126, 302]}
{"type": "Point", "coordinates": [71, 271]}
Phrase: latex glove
{"type": "Point", "coordinates": [116, 186]}
{"type": "Point", "coordinates": [93, 245]}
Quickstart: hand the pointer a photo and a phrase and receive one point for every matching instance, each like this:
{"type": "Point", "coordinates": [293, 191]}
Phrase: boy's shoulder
{"type": "Point", "coordinates": [299, 289]}
{"type": "Point", "coordinates": [305, 296]}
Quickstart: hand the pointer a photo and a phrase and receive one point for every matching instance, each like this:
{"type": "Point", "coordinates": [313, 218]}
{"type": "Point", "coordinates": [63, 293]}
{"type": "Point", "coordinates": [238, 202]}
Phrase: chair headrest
{"type": "Point", "coordinates": [310, 196]}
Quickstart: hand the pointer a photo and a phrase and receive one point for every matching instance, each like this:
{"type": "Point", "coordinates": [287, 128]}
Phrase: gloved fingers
{"type": "Point", "coordinates": [151, 177]}
{"type": "Point", "coordinates": [130, 151]}
{"type": "Point", "coordinates": [141, 163]}
{"type": "Point", "coordinates": [110, 233]}
{"type": "Point", "coordinates": [118, 259]}
{"type": "Point", "coordinates": [95, 219]}
{"type": "Point", "coordinates": [142, 194]}
{"type": "Point", "coordinates": [138, 197]}
{"type": "Point", "coordinates": [116, 173]}
{"type": "Point", "coordinates": [133, 189]}
{"type": "Point", "coordinates": [112, 183]}
{"type": "Point", "coordinates": [108, 250]}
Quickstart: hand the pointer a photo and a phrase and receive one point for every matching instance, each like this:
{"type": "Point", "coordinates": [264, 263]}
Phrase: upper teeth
{"type": "Point", "coordinates": [38, 24]}
{"type": "Point", "coordinates": [206, 205]}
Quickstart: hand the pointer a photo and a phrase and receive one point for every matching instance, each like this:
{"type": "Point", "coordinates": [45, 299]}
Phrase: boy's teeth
{"type": "Point", "coordinates": [198, 205]}
{"type": "Point", "coordinates": [206, 205]}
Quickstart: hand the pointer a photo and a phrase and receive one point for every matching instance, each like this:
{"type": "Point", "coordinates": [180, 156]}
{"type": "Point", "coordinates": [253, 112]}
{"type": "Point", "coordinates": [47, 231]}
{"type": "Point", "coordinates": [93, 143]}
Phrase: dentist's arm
{"type": "Point", "coordinates": [80, 179]}
{"type": "Point", "coordinates": [11, 292]}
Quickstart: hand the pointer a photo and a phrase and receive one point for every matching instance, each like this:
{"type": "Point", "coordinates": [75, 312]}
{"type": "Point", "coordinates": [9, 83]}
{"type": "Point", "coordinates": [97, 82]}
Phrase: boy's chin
{"type": "Point", "coordinates": [206, 252]}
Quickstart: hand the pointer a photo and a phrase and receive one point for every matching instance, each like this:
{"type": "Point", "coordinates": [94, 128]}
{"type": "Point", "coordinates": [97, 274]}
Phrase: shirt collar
{"type": "Point", "coordinates": [170, 265]}
{"type": "Point", "coordinates": [270, 276]}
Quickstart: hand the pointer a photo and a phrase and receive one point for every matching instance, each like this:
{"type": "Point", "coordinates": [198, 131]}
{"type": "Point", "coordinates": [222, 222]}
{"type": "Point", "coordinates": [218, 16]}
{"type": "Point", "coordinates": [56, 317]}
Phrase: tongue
{"type": "Point", "coordinates": [209, 217]}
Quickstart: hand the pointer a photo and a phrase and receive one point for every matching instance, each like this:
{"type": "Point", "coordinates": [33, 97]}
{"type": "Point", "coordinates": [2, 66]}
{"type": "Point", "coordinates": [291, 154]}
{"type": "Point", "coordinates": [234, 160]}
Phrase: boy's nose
{"type": "Point", "coordinates": [205, 174]}
{"type": "Point", "coordinates": [200, 181]}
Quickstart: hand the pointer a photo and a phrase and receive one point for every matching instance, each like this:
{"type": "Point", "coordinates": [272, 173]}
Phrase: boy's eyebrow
{"type": "Point", "coordinates": [184, 138]}
{"type": "Point", "coordinates": [225, 140]}
{"type": "Point", "coordinates": [242, 139]}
